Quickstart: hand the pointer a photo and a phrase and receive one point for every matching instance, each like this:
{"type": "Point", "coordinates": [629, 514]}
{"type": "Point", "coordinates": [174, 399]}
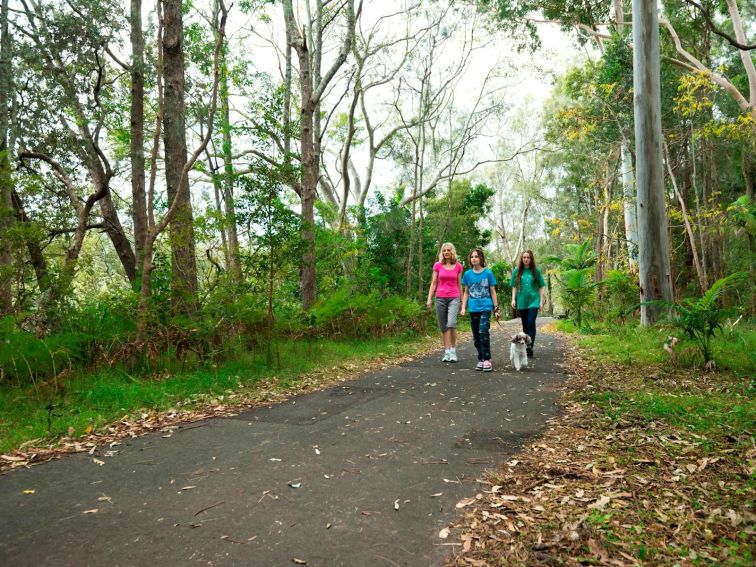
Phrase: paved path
{"type": "Point", "coordinates": [317, 478]}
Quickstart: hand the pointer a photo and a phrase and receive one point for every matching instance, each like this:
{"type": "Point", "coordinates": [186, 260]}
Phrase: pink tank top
{"type": "Point", "coordinates": [447, 280]}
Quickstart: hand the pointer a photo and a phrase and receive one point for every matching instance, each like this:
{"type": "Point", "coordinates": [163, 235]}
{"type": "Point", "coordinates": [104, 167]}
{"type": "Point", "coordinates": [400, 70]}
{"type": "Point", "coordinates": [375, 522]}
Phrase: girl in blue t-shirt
{"type": "Point", "coordinates": [480, 299]}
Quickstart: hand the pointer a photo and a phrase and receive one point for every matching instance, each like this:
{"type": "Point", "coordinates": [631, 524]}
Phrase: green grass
{"type": "Point", "coordinates": [95, 399]}
{"type": "Point", "coordinates": [646, 383]}
{"type": "Point", "coordinates": [711, 414]}
{"type": "Point", "coordinates": [632, 345]}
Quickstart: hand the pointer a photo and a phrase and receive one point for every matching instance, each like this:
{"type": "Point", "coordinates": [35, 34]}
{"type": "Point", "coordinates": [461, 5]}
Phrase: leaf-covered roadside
{"type": "Point", "coordinates": [619, 480]}
{"type": "Point", "coordinates": [104, 441]}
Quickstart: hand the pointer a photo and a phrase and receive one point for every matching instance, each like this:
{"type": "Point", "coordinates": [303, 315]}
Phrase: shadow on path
{"type": "Point", "coordinates": [365, 473]}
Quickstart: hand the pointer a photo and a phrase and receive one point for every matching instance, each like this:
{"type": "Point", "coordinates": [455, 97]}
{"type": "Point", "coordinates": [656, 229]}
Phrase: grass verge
{"type": "Point", "coordinates": [652, 463]}
{"type": "Point", "coordinates": [89, 408]}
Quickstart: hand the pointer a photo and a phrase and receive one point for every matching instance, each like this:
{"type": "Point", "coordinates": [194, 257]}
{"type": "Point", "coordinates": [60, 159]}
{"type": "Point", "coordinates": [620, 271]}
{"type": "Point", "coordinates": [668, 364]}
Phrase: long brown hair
{"type": "Point", "coordinates": [481, 255]}
{"type": "Point", "coordinates": [521, 268]}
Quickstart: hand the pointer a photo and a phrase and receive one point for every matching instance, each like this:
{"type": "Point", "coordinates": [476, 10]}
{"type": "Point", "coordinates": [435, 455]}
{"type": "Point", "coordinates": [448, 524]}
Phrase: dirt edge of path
{"type": "Point", "coordinates": [594, 491]}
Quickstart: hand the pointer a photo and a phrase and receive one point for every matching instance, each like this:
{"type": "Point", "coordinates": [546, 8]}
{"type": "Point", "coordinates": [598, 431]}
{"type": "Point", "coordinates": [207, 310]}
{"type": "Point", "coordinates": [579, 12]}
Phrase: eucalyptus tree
{"type": "Point", "coordinates": [136, 139]}
{"type": "Point", "coordinates": [184, 285]}
{"type": "Point", "coordinates": [445, 124]}
{"type": "Point", "coordinates": [67, 79]}
{"type": "Point", "coordinates": [308, 41]}
{"type": "Point", "coordinates": [380, 55]}
{"type": "Point", "coordinates": [6, 185]}
{"type": "Point", "coordinates": [237, 84]}
{"type": "Point", "coordinates": [179, 202]}
{"type": "Point", "coordinates": [518, 207]}
{"type": "Point", "coordinates": [653, 252]}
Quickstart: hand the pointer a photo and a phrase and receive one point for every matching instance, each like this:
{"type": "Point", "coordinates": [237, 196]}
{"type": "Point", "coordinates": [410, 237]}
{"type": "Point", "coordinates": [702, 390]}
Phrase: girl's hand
{"type": "Point", "coordinates": [462, 312]}
{"type": "Point", "coordinates": [514, 304]}
{"type": "Point", "coordinates": [497, 314]}
{"type": "Point", "coordinates": [428, 304]}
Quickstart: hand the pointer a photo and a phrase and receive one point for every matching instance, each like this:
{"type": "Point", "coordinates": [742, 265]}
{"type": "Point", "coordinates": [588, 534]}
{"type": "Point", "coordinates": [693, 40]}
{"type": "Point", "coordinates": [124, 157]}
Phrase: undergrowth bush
{"type": "Point", "coordinates": [233, 323]}
{"type": "Point", "coordinates": [87, 334]}
{"type": "Point", "coordinates": [345, 313]}
{"type": "Point", "coordinates": [620, 293]}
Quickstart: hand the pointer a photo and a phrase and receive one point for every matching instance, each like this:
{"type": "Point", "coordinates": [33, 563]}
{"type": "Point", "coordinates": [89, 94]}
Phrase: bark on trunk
{"type": "Point", "coordinates": [654, 265]}
{"type": "Point", "coordinates": [312, 87]}
{"type": "Point", "coordinates": [630, 208]}
{"type": "Point", "coordinates": [36, 258]}
{"type": "Point", "coordinates": [6, 187]}
{"type": "Point", "coordinates": [234, 264]}
{"type": "Point", "coordinates": [117, 236]}
{"type": "Point", "coordinates": [310, 171]}
{"type": "Point", "coordinates": [138, 198]}
{"type": "Point", "coordinates": [181, 231]}
{"type": "Point", "coordinates": [703, 285]}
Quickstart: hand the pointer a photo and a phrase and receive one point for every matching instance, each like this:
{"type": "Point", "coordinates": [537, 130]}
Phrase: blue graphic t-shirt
{"type": "Point", "coordinates": [479, 290]}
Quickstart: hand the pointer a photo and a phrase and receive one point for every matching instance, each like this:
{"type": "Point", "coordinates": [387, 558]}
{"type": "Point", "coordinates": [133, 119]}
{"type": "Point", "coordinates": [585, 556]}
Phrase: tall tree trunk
{"type": "Point", "coordinates": [602, 229]}
{"type": "Point", "coordinates": [181, 232]}
{"type": "Point", "coordinates": [6, 183]}
{"type": "Point", "coordinates": [310, 174]}
{"type": "Point", "coordinates": [178, 201]}
{"type": "Point", "coordinates": [699, 221]}
{"type": "Point", "coordinates": [521, 239]}
{"type": "Point", "coordinates": [411, 247]}
{"type": "Point", "coordinates": [630, 205]}
{"type": "Point", "coordinates": [217, 190]}
{"type": "Point", "coordinates": [420, 244]}
{"type": "Point", "coordinates": [138, 198]}
{"type": "Point", "coordinates": [653, 260]}
{"type": "Point", "coordinates": [36, 257]}
{"type": "Point", "coordinates": [630, 208]}
{"type": "Point", "coordinates": [117, 235]}
{"type": "Point", "coordinates": [703, 285]}
{"type": "Point", "coordinates": [228, 176]}
{"type": "Point", "coordinates": [312, 87]}
{"type": "Point", "coordinates": [212, 167]}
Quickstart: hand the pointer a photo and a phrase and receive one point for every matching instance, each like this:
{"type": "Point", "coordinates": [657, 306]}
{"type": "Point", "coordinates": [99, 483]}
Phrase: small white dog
{"type": "Point", "coordinates": [518, 353]}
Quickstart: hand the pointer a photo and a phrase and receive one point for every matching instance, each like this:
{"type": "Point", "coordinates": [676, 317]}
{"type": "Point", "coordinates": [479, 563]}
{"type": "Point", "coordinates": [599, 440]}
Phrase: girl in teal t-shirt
{"type": "Point", "coordinates": [527, 294]}
{"type": "Point", "coordinates": [480, 299]}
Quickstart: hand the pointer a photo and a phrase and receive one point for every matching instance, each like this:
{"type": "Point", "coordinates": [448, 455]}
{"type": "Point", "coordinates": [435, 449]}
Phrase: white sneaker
{"type": "Point", "coordinates": [446, 357]}
{"type": "Point", "coordinates": [479, 366]}
{"type": "Point", "coordinates": [453, 356]}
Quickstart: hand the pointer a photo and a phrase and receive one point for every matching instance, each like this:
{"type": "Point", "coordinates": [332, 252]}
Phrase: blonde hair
{"type": "Point", "coordinates": [453, 253]}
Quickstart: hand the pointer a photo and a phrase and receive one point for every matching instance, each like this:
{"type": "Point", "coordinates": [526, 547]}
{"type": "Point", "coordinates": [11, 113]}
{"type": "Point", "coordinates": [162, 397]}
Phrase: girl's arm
{"type": "Point", "coordinates": [432, 290]}
{"type": "Point", "coordinates": [464, 300]}
{"type": "Point", "coordinates": [459, 282]}
{"type": "Point", "coordinates": [514, 298]}
{"type": "Point", "coordinates": [497, 309]}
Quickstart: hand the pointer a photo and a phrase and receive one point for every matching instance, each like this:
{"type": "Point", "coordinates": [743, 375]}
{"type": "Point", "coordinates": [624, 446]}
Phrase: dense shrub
{"type": "Point", "coordinates": [621, 292]}
{"type": "Point", "coordinates": [345, 313]}
{"type": "Point", "coordinates": [102, 332]}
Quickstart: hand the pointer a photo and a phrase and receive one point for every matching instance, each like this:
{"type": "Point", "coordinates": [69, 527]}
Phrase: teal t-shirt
{"type": "Point", "coordinates": [527, 294]}
{"type": "Point", "coordinates": [479, 290]}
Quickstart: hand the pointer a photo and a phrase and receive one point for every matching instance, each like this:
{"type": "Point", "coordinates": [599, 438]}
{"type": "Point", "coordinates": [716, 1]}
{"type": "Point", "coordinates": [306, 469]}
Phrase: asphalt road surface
{"type": "Point", "coordinates": [364, 473]}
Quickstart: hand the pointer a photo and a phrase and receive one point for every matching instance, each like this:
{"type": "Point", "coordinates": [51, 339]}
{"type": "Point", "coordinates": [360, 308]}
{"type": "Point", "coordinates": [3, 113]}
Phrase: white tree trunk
{"type": "Point", "coordinates": [630, 208]}
{"type": "Point", "coordinates": [653, 257]}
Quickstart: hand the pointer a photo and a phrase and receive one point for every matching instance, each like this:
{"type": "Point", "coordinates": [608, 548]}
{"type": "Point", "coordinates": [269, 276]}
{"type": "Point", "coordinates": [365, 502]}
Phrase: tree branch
{"type": "Point", "coordinates": [712, 26]}
{"type": "Point", "coordinates": [716, 77]}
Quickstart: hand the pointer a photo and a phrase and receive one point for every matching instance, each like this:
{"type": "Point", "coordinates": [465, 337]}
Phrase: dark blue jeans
{"type": "Point", "coordinates": [480, 321]}
{"type": "Point", "coordinates": [528, 317]}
